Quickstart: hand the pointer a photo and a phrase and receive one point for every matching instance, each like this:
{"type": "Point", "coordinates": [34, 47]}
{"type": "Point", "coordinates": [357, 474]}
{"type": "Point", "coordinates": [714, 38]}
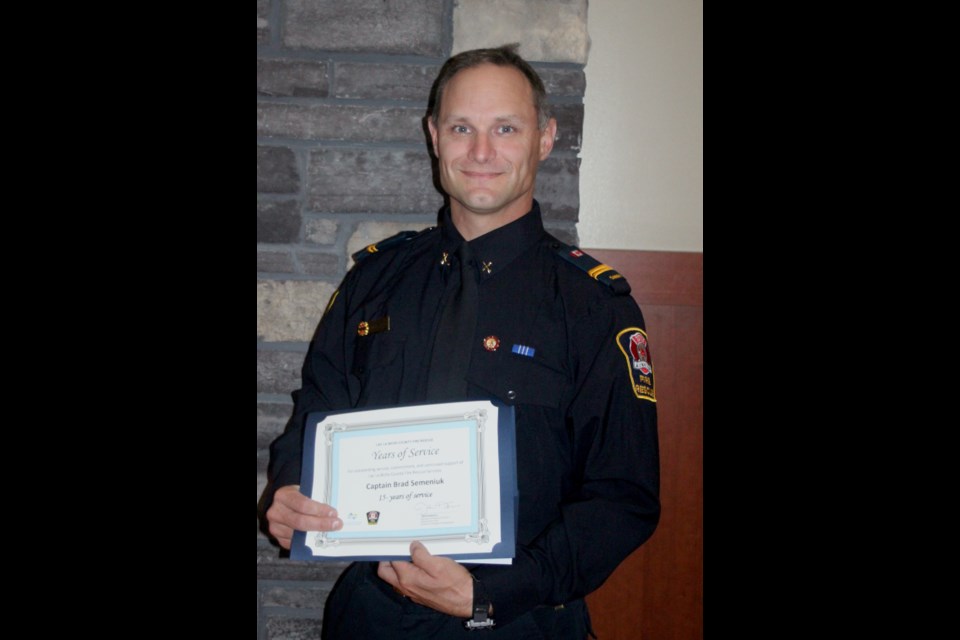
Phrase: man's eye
{"type": "Point", "coordinates": [459, 128]}
{"type": "Point", "coordinates": [506, 128]}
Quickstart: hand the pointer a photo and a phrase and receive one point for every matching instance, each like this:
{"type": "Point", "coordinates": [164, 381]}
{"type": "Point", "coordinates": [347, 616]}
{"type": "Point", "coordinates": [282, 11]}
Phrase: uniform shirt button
{"type": "Point", "coordinates": [512, 394]}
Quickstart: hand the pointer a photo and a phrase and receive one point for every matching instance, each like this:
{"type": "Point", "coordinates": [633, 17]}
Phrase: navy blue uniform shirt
{"type": "Point", "coordinates": [580, 378]}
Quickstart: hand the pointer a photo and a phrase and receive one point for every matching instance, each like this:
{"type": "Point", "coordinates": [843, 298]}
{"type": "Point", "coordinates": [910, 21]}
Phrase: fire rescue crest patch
{"type": "Point", "coordinates": [633, 344]}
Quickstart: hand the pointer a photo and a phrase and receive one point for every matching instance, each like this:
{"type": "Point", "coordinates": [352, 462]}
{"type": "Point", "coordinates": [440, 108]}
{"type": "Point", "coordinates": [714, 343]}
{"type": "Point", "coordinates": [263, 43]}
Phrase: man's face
{"type": "Point", "coordinates": [488, 142]}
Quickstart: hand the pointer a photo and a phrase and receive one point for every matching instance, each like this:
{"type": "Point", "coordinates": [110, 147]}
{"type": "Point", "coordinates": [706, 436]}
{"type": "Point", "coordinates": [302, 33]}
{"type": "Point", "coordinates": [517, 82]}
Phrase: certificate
{"type": "Point", "coordinates": [444, 474]}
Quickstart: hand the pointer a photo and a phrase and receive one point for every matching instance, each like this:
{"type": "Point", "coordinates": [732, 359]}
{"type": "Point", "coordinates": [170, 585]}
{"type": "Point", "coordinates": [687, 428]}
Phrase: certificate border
{"type": "Point", "coordinates": [476, 531]}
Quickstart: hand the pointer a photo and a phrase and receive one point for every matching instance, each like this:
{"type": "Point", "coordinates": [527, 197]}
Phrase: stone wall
{"type": "Point", "coordinates": [343, 161]}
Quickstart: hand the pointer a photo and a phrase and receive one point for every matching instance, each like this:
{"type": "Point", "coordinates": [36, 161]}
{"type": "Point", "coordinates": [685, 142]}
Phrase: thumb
{"type": "Point", "coordinates": [417, 547]}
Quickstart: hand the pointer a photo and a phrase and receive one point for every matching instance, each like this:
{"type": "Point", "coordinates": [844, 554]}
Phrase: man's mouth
{"type": "Point", "coordinates": [481, 175]}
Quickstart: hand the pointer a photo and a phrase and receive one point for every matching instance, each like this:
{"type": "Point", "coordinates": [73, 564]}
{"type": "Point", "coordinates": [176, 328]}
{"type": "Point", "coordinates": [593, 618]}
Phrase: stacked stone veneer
{"type": "Point", "coordinates": [343, 161]}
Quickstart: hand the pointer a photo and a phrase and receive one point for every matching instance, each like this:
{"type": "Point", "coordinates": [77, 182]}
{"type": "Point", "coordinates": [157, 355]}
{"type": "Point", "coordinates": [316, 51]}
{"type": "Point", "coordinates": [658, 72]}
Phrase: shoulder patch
{"type": "Point", "coordinates": [392, 241]}
{"type": "Point", "coordinates": [593, 268]}
{"type": "Point", "coordinates": [633, 345]}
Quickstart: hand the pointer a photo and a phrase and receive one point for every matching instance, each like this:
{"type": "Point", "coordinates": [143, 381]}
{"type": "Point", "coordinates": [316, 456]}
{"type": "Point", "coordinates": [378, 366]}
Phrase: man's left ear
{"type": "Point", "coordinates": [547, 137]}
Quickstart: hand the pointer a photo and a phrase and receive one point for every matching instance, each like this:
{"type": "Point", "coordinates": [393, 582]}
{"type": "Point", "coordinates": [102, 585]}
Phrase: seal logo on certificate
{"type": "Point", "coordinates": [444, 474]}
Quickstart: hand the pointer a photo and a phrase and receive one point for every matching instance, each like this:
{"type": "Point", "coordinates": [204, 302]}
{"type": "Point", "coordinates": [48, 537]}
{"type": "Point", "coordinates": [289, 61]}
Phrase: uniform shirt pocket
{"type": "Point", "coordinates": [378, 364]}
{"type": "Point", "coordinates": [516, 379]}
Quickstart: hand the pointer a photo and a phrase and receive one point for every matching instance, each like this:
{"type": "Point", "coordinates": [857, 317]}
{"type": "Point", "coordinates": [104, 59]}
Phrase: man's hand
{"type": "Point", "coordinates": [293, 510]}
{"type": "Point", "coordinates": [433, 581]}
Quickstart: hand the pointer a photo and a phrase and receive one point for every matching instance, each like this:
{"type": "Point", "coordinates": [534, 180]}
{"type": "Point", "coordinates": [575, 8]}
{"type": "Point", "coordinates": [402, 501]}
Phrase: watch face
{"type": "Point", "coordinates": [473, 624]}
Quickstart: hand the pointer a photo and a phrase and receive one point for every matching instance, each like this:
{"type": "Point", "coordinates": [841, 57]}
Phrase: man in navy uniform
{"type": "Point", "coordinates": [548, 330]}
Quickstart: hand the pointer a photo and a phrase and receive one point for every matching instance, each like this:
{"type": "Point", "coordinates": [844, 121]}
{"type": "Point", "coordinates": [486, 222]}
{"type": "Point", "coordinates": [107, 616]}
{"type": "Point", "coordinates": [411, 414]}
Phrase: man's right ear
{"type": "Point", "coordinates": [433, 136]}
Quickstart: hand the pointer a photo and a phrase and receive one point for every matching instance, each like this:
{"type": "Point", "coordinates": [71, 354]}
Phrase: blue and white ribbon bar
{"type": "Point", "coordinates": [523, 350]}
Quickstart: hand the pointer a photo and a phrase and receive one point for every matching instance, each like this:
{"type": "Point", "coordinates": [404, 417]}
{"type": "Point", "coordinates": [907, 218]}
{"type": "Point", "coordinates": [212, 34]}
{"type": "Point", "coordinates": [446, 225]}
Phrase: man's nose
{"type": "Point", "coordinates": [482, 149]}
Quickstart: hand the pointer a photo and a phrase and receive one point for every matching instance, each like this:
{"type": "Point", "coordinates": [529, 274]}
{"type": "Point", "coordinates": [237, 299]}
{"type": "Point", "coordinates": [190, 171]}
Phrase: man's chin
{"type": "Point", "coordinates": [482, 203]}
{"type": "Point", "coordinates": [483, 206]}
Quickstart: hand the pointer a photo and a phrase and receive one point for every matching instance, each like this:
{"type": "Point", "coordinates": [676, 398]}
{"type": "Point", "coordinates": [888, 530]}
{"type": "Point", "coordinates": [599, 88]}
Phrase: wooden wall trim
{"type": "Point", "coordinates": [657, 592]}
{"type": "Point", "coordinates": [658, 277]}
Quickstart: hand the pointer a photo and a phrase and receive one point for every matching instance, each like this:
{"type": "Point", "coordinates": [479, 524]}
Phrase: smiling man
{"type": "Point", "coordinates": [489, 144]}
{"type": "Point", "coordinates": [489, 305]}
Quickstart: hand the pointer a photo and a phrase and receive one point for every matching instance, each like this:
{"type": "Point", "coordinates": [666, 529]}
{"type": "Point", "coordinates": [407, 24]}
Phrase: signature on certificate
{"type": "Point", "coordinates": [436, 513]}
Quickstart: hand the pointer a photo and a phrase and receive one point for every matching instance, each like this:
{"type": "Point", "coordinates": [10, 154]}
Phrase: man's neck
{"type": "Point", "coordinates": [473, 225]}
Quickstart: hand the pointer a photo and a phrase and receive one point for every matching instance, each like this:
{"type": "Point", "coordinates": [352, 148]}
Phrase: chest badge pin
{"type": "Point", "coordinates": [491, 343]}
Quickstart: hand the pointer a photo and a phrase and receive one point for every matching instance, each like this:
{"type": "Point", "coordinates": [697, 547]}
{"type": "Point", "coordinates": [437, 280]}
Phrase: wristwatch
{"type": "Point", "coordinates": [481, 609]}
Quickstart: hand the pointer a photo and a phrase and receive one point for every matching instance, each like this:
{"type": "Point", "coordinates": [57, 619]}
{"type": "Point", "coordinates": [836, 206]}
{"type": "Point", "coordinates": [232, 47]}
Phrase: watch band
{"type": "Point", "coordinates": [481, 609]}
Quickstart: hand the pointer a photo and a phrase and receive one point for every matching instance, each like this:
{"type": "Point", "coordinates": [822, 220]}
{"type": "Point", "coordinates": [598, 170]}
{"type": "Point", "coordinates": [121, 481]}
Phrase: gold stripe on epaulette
{"type": "Point", "coordinates": [598, 270]}
{"type": "Point", "coordinates": [372, 248]}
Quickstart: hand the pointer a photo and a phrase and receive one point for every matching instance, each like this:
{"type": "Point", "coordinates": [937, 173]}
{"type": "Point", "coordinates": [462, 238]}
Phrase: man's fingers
{"type": "Point", "coordinates": [281, 514]}
{"type": "Point", "coordinates": [420, 573]}
{"type": "Point", "coordinates": [422, 558]}
{"type": "Point", "coordinates": [388, 575]}
{"type": "Point", "coordinates": [433, 581]}
{"type": "Point", "coordinates": [296, 501]}
{"type": "Point", "coordinates": [293, 511]}
{"type": "Point", "coordinates": [410, 578]}
{"type": "Point", "coordinates": [301, 522]}
{"type": "Point", "coordinates": [281, 532]}
{"type": "Point", "coordinates": [402, 576]}
{"type": "Point", "coordinates": [403, 570]}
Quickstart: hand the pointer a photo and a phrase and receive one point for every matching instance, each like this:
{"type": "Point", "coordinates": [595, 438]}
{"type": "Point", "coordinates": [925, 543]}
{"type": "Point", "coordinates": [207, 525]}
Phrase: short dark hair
{"type": "Point", "coordinates": [502, 56]}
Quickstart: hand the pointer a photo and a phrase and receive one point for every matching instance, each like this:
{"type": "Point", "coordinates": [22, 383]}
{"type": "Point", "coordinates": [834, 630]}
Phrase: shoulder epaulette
{"type": "Point", "coordinates": [392, 241]}
{"type": "Point", "coordinates": [595, 269]}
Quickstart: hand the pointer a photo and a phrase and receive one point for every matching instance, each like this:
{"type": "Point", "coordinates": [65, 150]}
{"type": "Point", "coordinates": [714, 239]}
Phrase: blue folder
{"type": "Point", "coordinates": [509, 494]}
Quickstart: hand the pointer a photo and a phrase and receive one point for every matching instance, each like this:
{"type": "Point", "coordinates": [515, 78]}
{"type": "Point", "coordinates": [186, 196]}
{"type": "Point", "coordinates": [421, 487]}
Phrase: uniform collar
{"type": "Point", "coordinates": [498, 248]}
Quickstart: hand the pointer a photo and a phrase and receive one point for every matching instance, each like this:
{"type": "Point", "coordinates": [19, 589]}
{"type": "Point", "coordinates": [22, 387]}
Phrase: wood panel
{"type": "Point", "coordinates": [657, 593]}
